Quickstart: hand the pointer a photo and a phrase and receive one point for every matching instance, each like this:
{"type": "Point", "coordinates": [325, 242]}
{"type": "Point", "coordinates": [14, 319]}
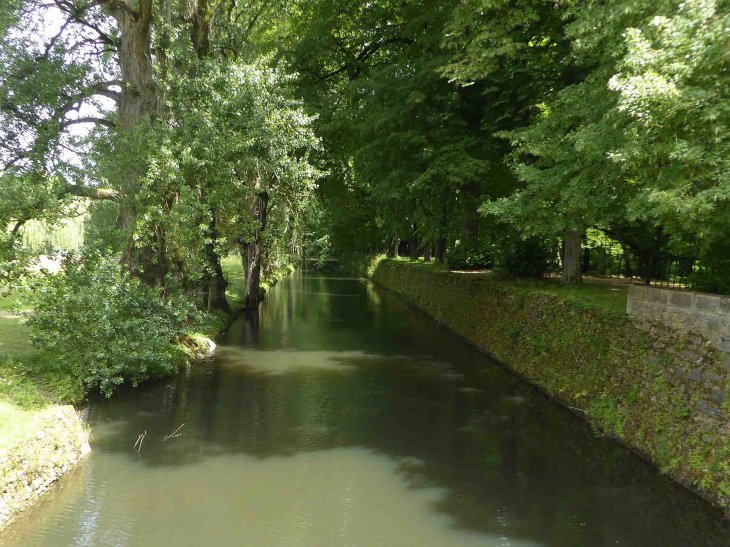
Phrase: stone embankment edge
{"type": "Point", "coordinates": [658, 391]}
{"type": "Point", "coordinates": [30, 467]}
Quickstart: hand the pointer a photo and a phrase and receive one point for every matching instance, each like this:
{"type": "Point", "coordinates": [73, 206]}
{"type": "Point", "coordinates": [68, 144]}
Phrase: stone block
{"type": "Point", "coordinates": [707, 302]}
{"type": "Point", "coordinates": [708, 408]}
{"type": "Point", "coordinates": [695, 374]}
{"type": "Point", "coordinates": [725, 305]}
{"type": "Point", "coordinates": [711, 377]}
{"type": "Point", "coordinates": [723, 344]}
{"type": "Point", "coordinates": [638, 292]}
{"type": "Point", "coordinates": [679, 318]}
{"type": "Point", "coordinates": [658, 296]}
{"type": "Point", "coordinates": [719, 395]}
{"type": "Point", "coordinates": [682, 299]}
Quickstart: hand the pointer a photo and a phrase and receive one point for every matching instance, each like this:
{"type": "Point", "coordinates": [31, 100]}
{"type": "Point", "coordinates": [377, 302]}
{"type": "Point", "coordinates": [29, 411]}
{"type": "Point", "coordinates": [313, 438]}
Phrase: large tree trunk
{"type": "Point", "coordinates": [215, 280]}
{"type": "Point", "coordinates": [571, 259]}
{"type": "Point", "coordinates": [259, 211]}
{"type": "Point", "coordinates": [200, 16]}
{"type": "Point", "coordinates": [138, 102]}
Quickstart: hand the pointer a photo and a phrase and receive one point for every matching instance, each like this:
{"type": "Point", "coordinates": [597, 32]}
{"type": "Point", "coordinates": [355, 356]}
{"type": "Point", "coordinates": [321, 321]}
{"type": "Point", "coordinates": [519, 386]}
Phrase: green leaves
{"type": "Point", "coordinates": [105, 328]}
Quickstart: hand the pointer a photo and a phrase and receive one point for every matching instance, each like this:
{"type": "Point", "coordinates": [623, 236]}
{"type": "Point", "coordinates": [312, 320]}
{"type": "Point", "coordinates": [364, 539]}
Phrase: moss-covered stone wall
{"type": "Point", "coordinates": [30, 467]}
{"type": "Point", "coordinates": [659, 391]}
{"type": "Point", "coordinates": [707, 314]}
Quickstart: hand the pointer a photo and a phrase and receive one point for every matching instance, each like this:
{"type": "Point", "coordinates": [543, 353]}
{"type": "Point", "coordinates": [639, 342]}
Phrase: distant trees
{"type": "Point", "coordinates": [550, 117]}
{"type": "Point", "coordinates": [457, 128]}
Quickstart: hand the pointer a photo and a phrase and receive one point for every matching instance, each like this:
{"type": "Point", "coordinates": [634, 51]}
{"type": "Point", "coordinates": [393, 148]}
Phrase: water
{"type": "Point", "coordinates": [342, 417]}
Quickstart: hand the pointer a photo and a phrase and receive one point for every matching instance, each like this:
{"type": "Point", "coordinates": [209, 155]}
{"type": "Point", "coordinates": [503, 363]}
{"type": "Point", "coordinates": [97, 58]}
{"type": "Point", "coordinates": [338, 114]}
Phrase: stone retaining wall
{"type": "Point", "coordinates": [705, 314]}
{"type": "Point", "coordinates": [30, 467]}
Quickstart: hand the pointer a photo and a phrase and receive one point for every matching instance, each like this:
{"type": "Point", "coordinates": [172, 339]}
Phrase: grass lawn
{"type": "Point", "coordinates": [15, 422]}
{"type": "Point", "coordinates": [233, 270]}
{"type": "Point", "coordinates": [21, 400]}
{"type": "Point", "coordinates": [27, 385]}
{"type": "Point", "coordinates": [610, 297]}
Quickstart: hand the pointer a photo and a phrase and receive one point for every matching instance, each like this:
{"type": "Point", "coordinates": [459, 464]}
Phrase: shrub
{"type": "Point", "coordinates": [529, 257]}
{"type": "Point", "coordinates": [462, 258]}
{"type": "Point", "coordinates": [105, 327]}
{"type": "Point", "coordinates": [714, 276]}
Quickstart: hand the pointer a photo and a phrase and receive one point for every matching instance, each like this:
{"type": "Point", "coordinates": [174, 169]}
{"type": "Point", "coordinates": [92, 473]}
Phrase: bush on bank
{"type": "Point", "coordinates": [102, 328]}
{"type": "Point", "coordinates": [659, 392]}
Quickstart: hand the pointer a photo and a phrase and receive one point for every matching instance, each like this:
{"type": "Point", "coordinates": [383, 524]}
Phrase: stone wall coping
{"type": "Point", "coordinates": [639, 288]}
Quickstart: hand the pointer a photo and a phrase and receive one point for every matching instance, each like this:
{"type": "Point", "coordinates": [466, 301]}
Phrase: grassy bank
{"type": "Point", "coordinates": [233, 270]}
{"type": "Point", "coordinates": [29, 383]}
{"type": "Point", "coordinates": [658, 392]}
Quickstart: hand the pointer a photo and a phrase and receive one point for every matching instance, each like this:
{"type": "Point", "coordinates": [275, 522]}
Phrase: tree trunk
{"type": "Point", "coordinates": [571, 260]}
{"type": "Point", "coordinates": [427, 253]}
{"type": "Point", "coordinates": [441, 250]}
{"type": "Point", "coordinates": [413, 249]}
{"type": "Point", "coordinates": [215, 280]}
{"type": "Point", "coordinates": [243, 251]}
{"type": "Point", "coordinates": [626, 257]}
{"type": "Point", "coordinates": [253, 274]}
{"type": "Point", "coordinates": [200, 16]}
{"type": "Point", "coordinates": [253, 271]}
{"type": "Point", "coordinates": [137, 103]}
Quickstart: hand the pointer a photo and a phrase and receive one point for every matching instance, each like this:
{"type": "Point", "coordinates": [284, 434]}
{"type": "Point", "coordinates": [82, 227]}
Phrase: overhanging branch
{"type": "Point", "coordinates": [89, 119]}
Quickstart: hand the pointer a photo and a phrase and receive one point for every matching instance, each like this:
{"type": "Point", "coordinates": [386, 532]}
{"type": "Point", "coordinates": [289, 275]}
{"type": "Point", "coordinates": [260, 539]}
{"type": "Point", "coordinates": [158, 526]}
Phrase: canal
{"type": "Point", "coordinates": [340, 416]}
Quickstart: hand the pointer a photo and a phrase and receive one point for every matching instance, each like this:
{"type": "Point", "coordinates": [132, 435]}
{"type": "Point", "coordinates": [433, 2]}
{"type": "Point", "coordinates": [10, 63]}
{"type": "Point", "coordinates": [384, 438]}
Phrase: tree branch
{"type": "Point", "coordinates": [89, 119]}
{"type": "Point", "coordinates": [117, 5]}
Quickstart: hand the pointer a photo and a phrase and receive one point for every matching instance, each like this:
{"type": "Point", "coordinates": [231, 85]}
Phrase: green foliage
{"type": "Point", "coordinates": [531, 257]}
{"type": "Point", "coordinates": [66, 235]}
{"type": "Point", "coordinates": [100, 227]}
{"type": "Point", "coordinates": [461, 258]}
{"type": "Point", "coordinates": [713, 274]}
{"type": "Point", "coordinates": [105, 328]}
{"type": "Point", "coordinates": [642, 136]}
{"type": "Point", "coordinates": [16, 385]}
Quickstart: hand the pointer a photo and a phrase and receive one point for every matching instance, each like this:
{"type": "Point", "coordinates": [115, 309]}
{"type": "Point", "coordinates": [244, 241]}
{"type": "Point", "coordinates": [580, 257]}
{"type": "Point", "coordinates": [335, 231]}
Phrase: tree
{"type": "Point", "coordinates": [640, 139]}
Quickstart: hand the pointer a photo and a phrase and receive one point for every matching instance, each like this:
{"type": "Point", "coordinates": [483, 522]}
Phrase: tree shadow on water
{"type": "Point", "coordinates": [505, 460]}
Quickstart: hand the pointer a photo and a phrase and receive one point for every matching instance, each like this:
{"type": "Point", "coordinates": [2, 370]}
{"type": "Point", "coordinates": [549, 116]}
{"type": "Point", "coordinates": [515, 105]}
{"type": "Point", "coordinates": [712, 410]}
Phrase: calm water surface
{"type": "Point", "coordinates": [341, 417]}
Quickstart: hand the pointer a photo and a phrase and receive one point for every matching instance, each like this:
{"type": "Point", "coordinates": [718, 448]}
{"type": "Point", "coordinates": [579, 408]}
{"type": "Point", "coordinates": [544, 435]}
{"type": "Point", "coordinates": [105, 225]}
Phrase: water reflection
{"type": "Point", "coordinates": [334, 421]}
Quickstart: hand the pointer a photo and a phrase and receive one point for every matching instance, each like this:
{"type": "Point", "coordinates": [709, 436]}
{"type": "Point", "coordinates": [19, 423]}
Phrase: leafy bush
{"type": "Point", "coordinates": [105, 327]}
{"type": "Point", "coordinates": [530, 257]}
{"type": "Point", "coordinates": [714, 274]}
{"type": "Point", "coordinates": [100, 228]}
{"type": "Point", "coordinates": [711, 281]}
{"type": "Point", "coordinates": [462, 258]}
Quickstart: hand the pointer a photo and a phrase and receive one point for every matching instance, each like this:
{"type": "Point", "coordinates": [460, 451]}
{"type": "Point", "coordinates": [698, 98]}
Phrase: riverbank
{"type": "Point", "coordinates": [58, 443]}
{"type": "Point", "coordinates": [41, 436]}
{"type": "Point", "coordinates": [638, 383]}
